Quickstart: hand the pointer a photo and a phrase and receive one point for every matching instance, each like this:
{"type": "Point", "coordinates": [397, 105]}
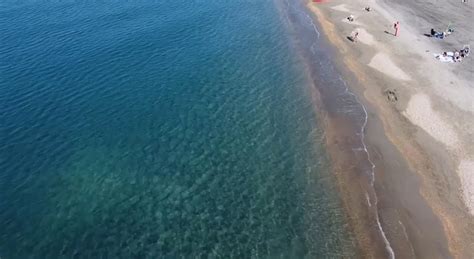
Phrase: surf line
{"type": "Point", "coordinates": [388, 247]}
{"type": "Point", "coordinates": [304, 11]}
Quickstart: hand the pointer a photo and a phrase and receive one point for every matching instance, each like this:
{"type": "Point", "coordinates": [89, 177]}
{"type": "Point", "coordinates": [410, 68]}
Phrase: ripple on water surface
{"type": "Point", "coordinates": [159, 129]}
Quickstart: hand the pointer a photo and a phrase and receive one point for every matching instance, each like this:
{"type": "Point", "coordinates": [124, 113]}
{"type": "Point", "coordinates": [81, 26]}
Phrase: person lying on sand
{"type": "Point", "coordinates": [457, 56]}
{"type": "Point", "coordinates": [439, 35]}
{"type": "Point", "coordinates": [453, 56]}
{"type": "Point", "coordinates": [445, 57]}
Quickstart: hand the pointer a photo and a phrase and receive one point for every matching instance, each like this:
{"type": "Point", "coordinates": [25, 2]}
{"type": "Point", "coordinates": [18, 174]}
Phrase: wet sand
{"type": "Point", "coordinates": [420, 141]}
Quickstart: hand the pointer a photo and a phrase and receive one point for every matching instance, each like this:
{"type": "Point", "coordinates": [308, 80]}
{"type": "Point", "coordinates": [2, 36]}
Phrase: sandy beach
{"type": "Point", "coordinates": [420, 128]}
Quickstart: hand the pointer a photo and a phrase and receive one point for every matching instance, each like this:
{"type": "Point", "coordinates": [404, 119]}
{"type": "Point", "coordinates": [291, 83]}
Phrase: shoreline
{"type": "Point", "coordinates": [345, 119]}
{"type": "Point", "coordinates": [409, 150]}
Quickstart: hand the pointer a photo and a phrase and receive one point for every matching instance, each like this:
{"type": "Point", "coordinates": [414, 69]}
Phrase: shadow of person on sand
{"type": "Point", "coordinates": [427, 35]}
{"type": "Point", "coordinates": [387, 32]}
{"type": "Point", "coordinates": [350, 38]}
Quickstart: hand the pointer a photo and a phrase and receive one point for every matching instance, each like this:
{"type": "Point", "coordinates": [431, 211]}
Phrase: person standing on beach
{"type": "Point", "coordinates": [396, 26]}
{"type": "Point", "coordinates": [356, 34]}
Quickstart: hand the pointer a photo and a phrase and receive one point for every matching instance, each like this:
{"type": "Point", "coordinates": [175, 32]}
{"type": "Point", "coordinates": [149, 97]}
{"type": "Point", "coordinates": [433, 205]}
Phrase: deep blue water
{"type": "Point", "coordinates": [135, 129]}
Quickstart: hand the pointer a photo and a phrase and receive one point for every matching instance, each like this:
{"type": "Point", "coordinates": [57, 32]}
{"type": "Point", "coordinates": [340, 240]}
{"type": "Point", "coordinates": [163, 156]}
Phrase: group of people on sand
{"type": "Point", "coordinates": [454, 56]}
{"type": "Point", "coordinates": [355, 34]}
{"type": "Point", "coordinates": [449, 56]}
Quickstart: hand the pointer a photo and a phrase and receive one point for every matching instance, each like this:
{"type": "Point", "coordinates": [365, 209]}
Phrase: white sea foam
{"type": "Point", "coordinates": [361, 134]}
{"type": "Point", "coordinates": [388, 247]}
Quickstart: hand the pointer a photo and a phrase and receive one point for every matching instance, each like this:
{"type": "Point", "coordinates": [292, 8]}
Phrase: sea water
{"type": "Point", "coordinates": [160, 129]}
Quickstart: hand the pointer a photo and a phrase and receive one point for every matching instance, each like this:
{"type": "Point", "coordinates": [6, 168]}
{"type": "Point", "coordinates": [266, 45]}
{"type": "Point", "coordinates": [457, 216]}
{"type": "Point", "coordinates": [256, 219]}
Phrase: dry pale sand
{"type": "Point", "coordinates": [466, 167]}
{"type": "Point", "coordinates": [384, 64]}
{"type": "Point", "coordinates": [418, 107]}
{"type": "Point", "coordinates": [450, 86]}
{"type": "Point", "coordinates": [432, 121]}
{"type": "Point", "coordinates": [341, 8]}
{"type": "Point", "coordinates": [365, 37]}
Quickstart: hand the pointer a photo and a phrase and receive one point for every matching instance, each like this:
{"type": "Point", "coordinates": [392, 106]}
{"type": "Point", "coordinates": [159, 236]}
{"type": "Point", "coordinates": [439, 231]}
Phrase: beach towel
{"type": "Point", "coordinates": [445, 59]}
{"type": "Point", "coordinates": [439, 35]}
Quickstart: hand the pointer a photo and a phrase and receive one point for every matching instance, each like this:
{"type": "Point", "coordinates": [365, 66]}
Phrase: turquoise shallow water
{"type": "Point", "coordinates": [159, 129]}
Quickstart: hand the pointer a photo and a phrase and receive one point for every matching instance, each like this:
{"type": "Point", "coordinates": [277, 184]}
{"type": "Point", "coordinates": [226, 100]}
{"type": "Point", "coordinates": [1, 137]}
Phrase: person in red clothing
{"type": "Point", "coordinates": [396, 26]}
